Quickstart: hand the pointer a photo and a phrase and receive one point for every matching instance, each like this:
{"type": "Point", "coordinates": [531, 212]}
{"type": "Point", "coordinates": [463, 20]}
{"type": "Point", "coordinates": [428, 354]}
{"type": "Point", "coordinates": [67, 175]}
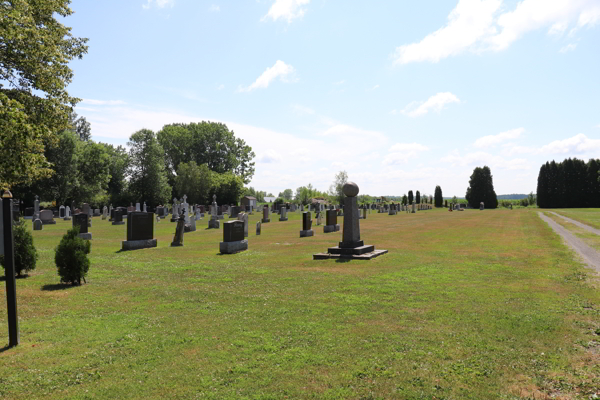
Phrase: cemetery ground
{"type": "Point", "coordinates": [466, 305]}
{"type": "Point", "coordinates": [590, 238]}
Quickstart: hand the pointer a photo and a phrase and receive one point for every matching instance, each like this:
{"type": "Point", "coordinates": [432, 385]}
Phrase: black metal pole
{"type": "Point", "coordinates": [9, 270]}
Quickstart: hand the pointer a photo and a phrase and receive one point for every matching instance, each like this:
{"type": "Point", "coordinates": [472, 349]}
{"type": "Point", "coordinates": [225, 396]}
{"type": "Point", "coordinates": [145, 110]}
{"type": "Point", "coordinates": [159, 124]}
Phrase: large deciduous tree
{"type": "Point", "coordinates": [481, 188]}
{"type": "Point", "coordinates": [35, 51]}
{"type": "Point", "coordinates": [148, 179]}
{"type": "Point", "coordinates": [197, 182]}
{"type": "Point", "coordinates": [438, 198]}
{"type": "Point", "coordinates": [336, 188]}
{"type": "Point", "coordinates": [209, 143]}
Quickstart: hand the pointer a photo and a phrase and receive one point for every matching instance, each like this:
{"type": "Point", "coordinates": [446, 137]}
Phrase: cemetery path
{"type": "Point", "coordinates": [589, 255]}
{"type": "Point", "coordinates": [579, 224]}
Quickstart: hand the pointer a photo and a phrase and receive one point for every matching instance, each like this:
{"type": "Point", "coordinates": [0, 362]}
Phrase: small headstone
{"type": "Point", "coordinates": [306, 225]}
{"type": "Point", "coordinates": [175, 216]}
{"type": "Point", "coordinates": [481, 206]}
{"type": "Point", "coordinates": [37, 224]}
{"type": "Point", "coordinates": [36, 207]}
{"type": "Point", "coordinates": [265, 218]}
{"type": "Point", "coordinates": [258, 228]}
{"type": "Point", "coordinates": [145, 209]}
{"type": "Point", "coordinates": [104, 213]}
{"type": "Point", "coordinates": [244, 218]}
{"type": "Point", "coordinates": [67, 213]}
{"type": "Point", "coordinates": [61, 212]}
{"type": "Point", "coordinates": [47, 217]}
{"type": "Point", "coordinates": [179, 230]}
{"type": "Point", "coordinates": [283, 216]}
{"type": "Point", "coordinates": [118, 217]}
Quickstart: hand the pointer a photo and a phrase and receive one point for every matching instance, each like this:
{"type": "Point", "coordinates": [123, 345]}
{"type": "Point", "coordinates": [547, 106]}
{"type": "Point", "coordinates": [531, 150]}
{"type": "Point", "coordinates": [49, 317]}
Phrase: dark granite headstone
{"type": "Point", "coordinates": [233, 231]}
{"type": "Point", "coordinates": [140, 226]}
{"type": "Point", "coordinates": [331, 217]}
{"type": "Point", "coordinates": [81, 220]}
{"type": "Point", "coordinates": [117, 217]}
{"type": "Point", "coordinates": [306, 221]}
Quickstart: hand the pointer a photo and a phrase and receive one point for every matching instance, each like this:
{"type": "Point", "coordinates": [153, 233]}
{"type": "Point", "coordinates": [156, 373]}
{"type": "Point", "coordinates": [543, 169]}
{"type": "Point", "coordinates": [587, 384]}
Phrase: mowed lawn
{"type": "Point", "coordinates": [466, 305]}
{"type": "Point", "coordinates": [590, 238]}
{"type": "Point", "coordinates": [588, 216]}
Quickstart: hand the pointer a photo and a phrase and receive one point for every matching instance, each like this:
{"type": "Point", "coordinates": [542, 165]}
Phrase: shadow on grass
{"type": "Point", "coordinates": [58, 286]}
{"type": "Point", "coordinates": [5, 348]}
{"type": "Point", "coordinates": [343, 260]}
{"type": "Point", "coordinates": [3, 278]}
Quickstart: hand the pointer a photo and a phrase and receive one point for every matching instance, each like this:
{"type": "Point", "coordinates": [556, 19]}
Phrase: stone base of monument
{"type": "Point", "coordinates": [220, 216]}
{"type": "Point", "coordinates": [214, 224]}
{"type": "Point", "coordinates": [233, 247]}
{"type": "Point", "coordinates": [189, 228]}
{"type": "Point", "coordinates": [392, 213]}
{"type": "Point", "coordinates": [28, 217]}
{"type": "Point", "coordinates": [174, 219]}
{"type": "Point", "coordinates": [307, 233]}
{"type": "Point", "coordinates": [48, 222]}
{"type": "Point", "coordinates": [138, 244]}
{"type": "Point", "coordinates": [331, 228]}
{"type": "Point", "coordinates": [118, 222]}
{"type": "Point", "coordinates": [85, 236]}
{"type": "Point", "coordinates": [265, 220]}
{"type": "Point", "coordinates": [66, 218]}
{"type": "Point", "coordinates": [360, 251]}
{"type": "Point", "coordinates": [283, 219]}
{"type": "Point", "coordinates": [103, 217]}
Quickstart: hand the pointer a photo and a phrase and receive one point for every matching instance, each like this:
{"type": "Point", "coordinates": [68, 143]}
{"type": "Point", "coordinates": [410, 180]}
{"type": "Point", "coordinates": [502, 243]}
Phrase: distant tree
{"type": "Point", "coordinates": [197, 182]}
{"type": "Point", "coordinates": [404, 199]}
{"type": "Point", "coordinates": [80, 126]}
{"type": "Point", "coordinates": [454, 200]}
{"type": "Point", "coordinates": [410, 197]}
{"type": "Point", "coordinates": [531, 199]}
{"type": "Point", "coordinates": [35, 52]}
{"type": "Point", "coordinates": [481, 189]}
{"type": "Point", "coordinates": [418, 197]}
{"type": "Point", "coordinates": [287, 194]}
{"type": "Point", "coordinates": [335, 190]}
{"type": "Point", "coordinates": [228, 188]}
{"type": "Point", "coordinates": [117, 189]}
{"type": "Point", "coordinates": [571, 183]}
{"type": "Point", "coordinates": [209, 143]}
{"type": "Point", "coordinates": [93, 172]}
{"type": "Point", "coordinates": [446, 203]}
{"type": "Point", "coordinates": [148, 179]}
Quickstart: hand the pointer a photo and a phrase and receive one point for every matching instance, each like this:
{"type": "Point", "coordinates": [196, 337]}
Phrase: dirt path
{"type": "Point", "coordinates": [589, 255]}
{"type": "Point", "coordinates": [579, 224]}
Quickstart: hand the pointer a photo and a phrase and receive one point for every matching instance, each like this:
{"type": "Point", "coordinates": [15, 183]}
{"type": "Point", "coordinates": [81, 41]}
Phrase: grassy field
{"type": "Point", "coordinates": [466, 305]}
{"type": "Point", "coordinates": [588, 216]}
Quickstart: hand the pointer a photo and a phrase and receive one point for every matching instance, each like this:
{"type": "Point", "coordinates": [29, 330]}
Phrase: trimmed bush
{"type": "Point", "coordinates": [71, 257]}
{"type": "Point", "coordinates": [25, 253]}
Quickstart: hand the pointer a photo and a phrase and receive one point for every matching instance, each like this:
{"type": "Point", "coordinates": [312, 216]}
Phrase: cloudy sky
{"type": "Point", "coordinates": [400, 94]}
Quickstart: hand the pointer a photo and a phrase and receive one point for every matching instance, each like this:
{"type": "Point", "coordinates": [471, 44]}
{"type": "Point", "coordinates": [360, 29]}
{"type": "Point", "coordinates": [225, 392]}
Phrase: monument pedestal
{"type": "Point", "coordinates": [233, 247]}
{"type": "Point", "coordinates": [138, 244]}
{"type": "Point", "coordinates": [66, 218]}
{"type": "Point", "coordinates": [331, 228]}
{"type": "Point", "coordinates": [118, 222]}
{"type": "Point", "coordinates": [307, 233]}
{"type": "Point", "coordinates": [85, 236]}
{"type": "Point", "coordinates": [189, 228]}
{"type": "Point", "coordinates": [283, 219]}
{"type": "Point", "coordinates": [214, 224]}
{"type": "Point", "coordinates": [265, 220]}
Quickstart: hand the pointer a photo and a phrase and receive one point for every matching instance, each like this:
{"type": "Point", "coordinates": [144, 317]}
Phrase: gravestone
{"type": "Point", "coordinates": [185, 209]}
{"type": "Point", "coordinates": [283, 216]}
{"type": "Point", "coordinates": [175, 216]}
{"type": "Point", "coordinates": [319, 217]}
{"type": "Point", "coordinates": [36, 208]}
{"type": "Point", "coordinates": [118, 217]}
{"type": "Point", "coordinates": [104, 213]}
{"type": "Point", "coordinates": [265, 218]}
{"type": "Point", "coordinates": [145, 208]}
{"type": "Point", "coordinates": [140, 231]}
{"type": "Point", "coordinates": [233, 238]}
{"type": "Point", "coordinates": [157, 218]}
{"type": "Point", "coordinates": [244, 218]}
{"type": "Point", "coordinates": [258, 228]}
{"type": "Point", "coordinates": [331, 222]}
{"type": "Point", "coordinates": [306, 225]}
{"type": "Point", "coordinates": [67, 214]}
{"type": "Point", "coordinates": [47, 217]}
{"type": "Point", "coordinates": [191, 225]}
{"type": "Point", "coordinates": [110, 212]}
{"type": "Point", "coordinates": [86, 208]}
{"type": "Point", "coordinates": [351, 246]}
{"type": "Point", "coordinates": [234, 212]}
{"type": "Point", "coordinates": [413, 208]}
{"type": "Point", "coordinates": [37, 224]}
{"type": "Point", "coordinates": [179, 230]}
{"type": "Point", "coordinates": [198, 214]}
{"type": "Point", "coordinates": [213, 223]}
{"type": "Point", "coordinates": [81, 220]}
{"type": "Point", "coordinates": [61, 212]}
{"type": "Point", "coordinates": [96, 212]}
{"type": "Point", "coordinates": [364, 213]}
{"type": "Point", "coordinates": [481, 206]}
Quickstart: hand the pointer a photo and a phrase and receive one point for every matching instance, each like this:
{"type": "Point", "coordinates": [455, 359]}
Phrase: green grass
{"type": "Point", "coordinates": [588, 216]}
{"type": "Point", "coordinates": [466, 305]}
{"type": "Point", "coordinates": [590, 238]}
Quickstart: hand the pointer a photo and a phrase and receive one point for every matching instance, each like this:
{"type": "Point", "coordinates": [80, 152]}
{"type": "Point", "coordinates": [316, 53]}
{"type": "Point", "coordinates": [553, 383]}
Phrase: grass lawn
{"type": "Point", "coordinates": [466, 305]}
{"type": "Point", "coordinates": [588, 216]}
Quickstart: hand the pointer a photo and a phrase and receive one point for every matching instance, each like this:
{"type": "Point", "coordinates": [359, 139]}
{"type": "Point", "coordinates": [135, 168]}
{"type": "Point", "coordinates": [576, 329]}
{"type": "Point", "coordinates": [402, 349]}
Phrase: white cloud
{"type": "Point", "coordinates": [493, 140]}
{"type": "Point", "coordinates": [435, 103]}
{"type": "Point", "coordinates": [567, 48]}
{"type": "Point", "coordinates": [480, 158]}
{"type": "Point", "coordinates": [469, 21]}
{"type": "Point", "coordinates": [269, 157]}
{"type": "Point", "coordinates": [351, 133]}
{"type": "Point", "coordinates": [214, 8]}
{"type": "Point", "coordinates": [279, 70]}
{"type": "Point", "coordinates": [102, 102]}
{"type": "Point", "coordinates": [401, 153]}
{"type": "Point", "coordinates": [286, 9]}
{"type": "Point", "coordinates": [578, 144]}
{"type": "Point", "coordinates": [480, 25]}
{"type": "Point", "coordinates": [158, 4]}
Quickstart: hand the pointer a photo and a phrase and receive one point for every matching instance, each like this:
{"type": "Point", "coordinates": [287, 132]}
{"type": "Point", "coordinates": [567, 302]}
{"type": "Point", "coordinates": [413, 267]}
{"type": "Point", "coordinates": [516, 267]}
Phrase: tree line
{"type": "Point", "coordinates": [572, 183]}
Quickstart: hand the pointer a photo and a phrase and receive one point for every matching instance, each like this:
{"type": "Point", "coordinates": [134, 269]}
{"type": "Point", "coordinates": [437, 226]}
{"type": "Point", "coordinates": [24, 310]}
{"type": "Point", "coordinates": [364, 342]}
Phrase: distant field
{"type": "Point", "coordinates": [589, 216]}
{"type": "Point", "coordinates": [466, 305]}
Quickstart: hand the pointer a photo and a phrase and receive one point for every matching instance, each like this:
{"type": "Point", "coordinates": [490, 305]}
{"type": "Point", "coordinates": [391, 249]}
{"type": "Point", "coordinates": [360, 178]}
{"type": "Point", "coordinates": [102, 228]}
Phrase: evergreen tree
{"type": "Point", "coordinates": [410, 197]}
{"type": "Point", "coordinates": [439, 199]}
{"type": "Point", "coordinates": [481, 189]}
{"type": "Point", "coordinates": [418, 197]}
{"type": "Point", "coordinates": [405, 200]}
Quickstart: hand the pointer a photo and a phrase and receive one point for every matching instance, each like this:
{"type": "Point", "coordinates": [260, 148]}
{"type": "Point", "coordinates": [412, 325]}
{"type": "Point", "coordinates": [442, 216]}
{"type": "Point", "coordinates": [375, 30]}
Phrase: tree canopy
{"type": "Point", "coordinates": [571, 183]}
{"type": "Point", "coordinates": [335, 190]}
{"type": "Point", "coordinates": [438, 198]}
{"type": "Point", "coordinates": [34, 104]}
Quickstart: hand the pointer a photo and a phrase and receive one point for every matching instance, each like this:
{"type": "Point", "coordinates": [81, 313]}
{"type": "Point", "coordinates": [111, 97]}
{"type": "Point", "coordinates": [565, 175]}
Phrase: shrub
{"type": "Point", "coordinates": [71, 257]}
{"type": "Point", "coordinates": [25, 254]}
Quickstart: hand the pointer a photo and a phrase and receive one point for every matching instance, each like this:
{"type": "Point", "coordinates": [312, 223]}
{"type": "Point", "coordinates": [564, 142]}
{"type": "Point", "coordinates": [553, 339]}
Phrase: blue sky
{"type": "Point", "coordinates": [402, 95]}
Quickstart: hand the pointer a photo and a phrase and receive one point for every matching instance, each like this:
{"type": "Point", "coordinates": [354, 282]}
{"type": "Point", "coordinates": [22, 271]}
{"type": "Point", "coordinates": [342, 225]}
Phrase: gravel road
{"type": "Point", "coordinates": [589, 255]}
{"type": "Point", "coordinates": [579, 224]}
